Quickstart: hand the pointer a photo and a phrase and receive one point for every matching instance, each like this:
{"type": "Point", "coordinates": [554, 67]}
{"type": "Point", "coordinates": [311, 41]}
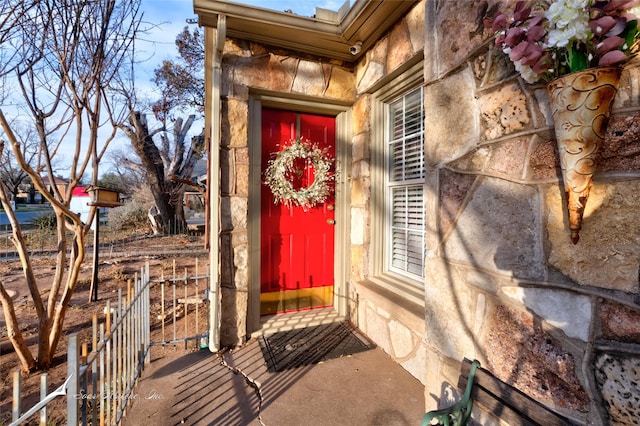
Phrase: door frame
{"type": "Point", "coordinates": [341, 110]}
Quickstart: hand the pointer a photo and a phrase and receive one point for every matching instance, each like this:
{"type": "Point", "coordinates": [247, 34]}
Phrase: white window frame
{"type": "Point", "coordinates": [415, 181]}
{"type": "Point", "coordinates": [404, 284]}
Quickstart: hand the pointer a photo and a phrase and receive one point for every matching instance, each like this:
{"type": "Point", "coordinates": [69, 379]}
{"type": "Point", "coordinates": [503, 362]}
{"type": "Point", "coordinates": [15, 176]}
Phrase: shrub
{"type": "Point", "coordinates": [130, 215]}
{"type": "Point", "coordinates": [45, 221]}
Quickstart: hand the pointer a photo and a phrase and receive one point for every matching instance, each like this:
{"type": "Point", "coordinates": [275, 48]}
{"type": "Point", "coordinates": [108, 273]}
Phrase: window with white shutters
{"type": "Point", "coordinates": [398, 172]}
{"type": "Point", "coordinates": [405, 185]}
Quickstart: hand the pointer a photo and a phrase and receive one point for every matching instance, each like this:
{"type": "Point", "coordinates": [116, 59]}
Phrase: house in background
{"type": "Point", "coordinates": [59, 182]}
{"type": "Point", "coordinates": [444, 235]}
{"type": "Point", "coordinates": [80, 203]}
{"type": "Point", "coordinates": [28, 193]}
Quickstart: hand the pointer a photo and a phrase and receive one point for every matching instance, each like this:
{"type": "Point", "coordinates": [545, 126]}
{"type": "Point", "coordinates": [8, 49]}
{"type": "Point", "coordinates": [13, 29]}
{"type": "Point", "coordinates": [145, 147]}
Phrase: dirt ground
{"type": "Point", "coordinates": [113, 273]}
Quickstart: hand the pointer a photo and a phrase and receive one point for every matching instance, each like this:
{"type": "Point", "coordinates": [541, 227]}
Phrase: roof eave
{"type": "Point", "coordinates": [366, 21]}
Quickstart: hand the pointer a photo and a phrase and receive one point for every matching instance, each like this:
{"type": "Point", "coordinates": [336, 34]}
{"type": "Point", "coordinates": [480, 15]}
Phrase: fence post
{"type": "Point", "coordinates": [147, 314]}
{"type": "Point", "coordinates": [104, 368]}
{"type": "Point", "coordinates": [94, 368]}
{"type": "Point", "coordinates": [17, 388]}
{"type": "Point", "coordinates": [175, 305]}
{"type": "Point", "coordinates": [162, 310]}
{"type": "Point", "coordinates": [73, 371]}
{"type": "Point", "coordinates": [197, 299]}
{"type": "Point", "coordinates": [186, 307]}
{"type": "Point", "coordinates": [43, 395]}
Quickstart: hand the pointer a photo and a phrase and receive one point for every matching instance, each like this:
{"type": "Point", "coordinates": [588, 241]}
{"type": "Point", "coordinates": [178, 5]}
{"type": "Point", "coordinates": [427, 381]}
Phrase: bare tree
{"type": "Point", "coordinates": [13, 176]}
{"type": "Point", "coordinates": [168, 161]}
{"type": "Point", "coordinates": [165, 166]}
{"type": "Point", "coordinates": [11, 35]}
{"type": "Point", "coordinates": [120, 176]}
{"type": "Point", "coordinates": [181, 82]}
{"type": "Point", "coordinates": [70, 51]}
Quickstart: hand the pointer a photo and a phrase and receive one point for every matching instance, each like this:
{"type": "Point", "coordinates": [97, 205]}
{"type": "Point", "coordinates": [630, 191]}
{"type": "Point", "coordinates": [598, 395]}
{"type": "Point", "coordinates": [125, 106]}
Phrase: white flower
{"type": "Point", "coordinates": [526, 72]}
{"type": "Point", "coordinates": [568, 20]}
{"type": "Point", "coordinates": [561, 37]}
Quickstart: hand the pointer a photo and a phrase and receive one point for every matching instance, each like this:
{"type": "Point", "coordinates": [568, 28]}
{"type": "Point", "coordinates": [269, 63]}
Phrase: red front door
{"type": "Point", "coordinates": [296, 244]}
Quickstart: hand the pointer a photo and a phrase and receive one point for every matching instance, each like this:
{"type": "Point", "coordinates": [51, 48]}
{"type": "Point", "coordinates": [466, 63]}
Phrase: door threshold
{"type": "Point", "coordinates": [270, 324]}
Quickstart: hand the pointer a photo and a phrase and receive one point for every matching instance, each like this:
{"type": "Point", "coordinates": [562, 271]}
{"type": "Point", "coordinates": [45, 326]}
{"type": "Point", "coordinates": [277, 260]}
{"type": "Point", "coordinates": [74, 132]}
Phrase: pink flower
{"type": "Point", "coordinates": [602, 25]}
{"type": "Point", "coordinates": [609, 44]}
{"type": "Point", "coordinates": [614, 57]}
{"type": "Point", "coordinates": [514, 36]}
{"type": "Point", "coordinates": [551, 38]}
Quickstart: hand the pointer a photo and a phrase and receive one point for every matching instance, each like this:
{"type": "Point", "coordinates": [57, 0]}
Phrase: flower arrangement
{"type": "Point", "coordinates": [557, 37]}
{"type": "Point", "coordinates": [286, 164]}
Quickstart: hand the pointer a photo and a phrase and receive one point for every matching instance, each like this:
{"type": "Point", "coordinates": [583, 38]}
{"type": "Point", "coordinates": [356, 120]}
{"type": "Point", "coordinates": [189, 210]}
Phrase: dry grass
{"type": "Point", "coordinates": [113, 274]}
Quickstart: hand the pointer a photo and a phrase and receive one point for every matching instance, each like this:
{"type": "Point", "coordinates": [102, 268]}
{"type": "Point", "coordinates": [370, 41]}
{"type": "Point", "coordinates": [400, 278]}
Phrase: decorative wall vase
{"type": "Point", "coordinates": [581, 105]}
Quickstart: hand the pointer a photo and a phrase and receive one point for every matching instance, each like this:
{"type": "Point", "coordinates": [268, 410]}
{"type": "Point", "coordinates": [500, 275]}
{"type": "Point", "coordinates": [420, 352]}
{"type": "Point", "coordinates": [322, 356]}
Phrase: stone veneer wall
{"type": "Point", "coordinates": [384, 317]}
{"type": "Point", "coordinates": [248, 66]}
{"type": "Point", "coordinates": [504, 282]}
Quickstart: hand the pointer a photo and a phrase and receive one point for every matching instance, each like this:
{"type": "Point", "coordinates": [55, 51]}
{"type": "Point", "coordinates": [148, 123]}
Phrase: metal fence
{"type": "Point", "coordinates": [184, 298]}
{"type": "Point", "coordinates": [111, 242]}
{"type": "Point", "coordinates": [102, 383]}
{"type": "Point", "coordinates": [41, 406]}
{"type": "Point", "coordinates": [137, 243]}
{"type": "Point", "coordinates": [102, 374]}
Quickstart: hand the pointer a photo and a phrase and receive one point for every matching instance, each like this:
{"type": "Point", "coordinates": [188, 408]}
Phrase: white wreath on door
{"type": "Point", "coordinates": [283, 165]}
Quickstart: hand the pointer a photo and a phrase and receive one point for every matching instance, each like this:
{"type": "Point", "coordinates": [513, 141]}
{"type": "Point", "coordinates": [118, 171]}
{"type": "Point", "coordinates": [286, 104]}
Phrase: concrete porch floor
{"type": "Point", "coordinates": [236, 388]}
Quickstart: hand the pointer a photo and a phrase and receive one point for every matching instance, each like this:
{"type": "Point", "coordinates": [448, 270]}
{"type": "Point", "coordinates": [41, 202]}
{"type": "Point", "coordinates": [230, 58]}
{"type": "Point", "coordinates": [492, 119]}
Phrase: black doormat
{"type": "Point", "coordinates": [296, 348]}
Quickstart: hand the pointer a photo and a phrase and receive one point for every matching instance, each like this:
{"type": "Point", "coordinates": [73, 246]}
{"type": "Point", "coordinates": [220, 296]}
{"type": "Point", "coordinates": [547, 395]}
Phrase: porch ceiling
{"type": "Point", "coordinates": [328, 34]}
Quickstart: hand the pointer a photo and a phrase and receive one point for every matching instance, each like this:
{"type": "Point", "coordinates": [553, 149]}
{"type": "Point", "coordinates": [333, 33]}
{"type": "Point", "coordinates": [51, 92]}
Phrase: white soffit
{"type": "Point", "coordinates": [328, 34]}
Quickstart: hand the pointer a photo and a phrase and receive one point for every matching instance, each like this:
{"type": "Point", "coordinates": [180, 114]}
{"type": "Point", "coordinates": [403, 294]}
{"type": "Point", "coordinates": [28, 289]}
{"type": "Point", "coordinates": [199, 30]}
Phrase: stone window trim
{"type": "Point", "coordinates": [394, 86]}
{"type": "Point", "coordinates": [396, 306]}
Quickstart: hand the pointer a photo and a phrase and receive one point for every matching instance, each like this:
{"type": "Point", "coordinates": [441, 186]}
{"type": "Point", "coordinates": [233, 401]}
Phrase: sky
{"type": "Point", "coordinates": [167, 18]}
{"type": "Point", "coordinates": [171, 17]}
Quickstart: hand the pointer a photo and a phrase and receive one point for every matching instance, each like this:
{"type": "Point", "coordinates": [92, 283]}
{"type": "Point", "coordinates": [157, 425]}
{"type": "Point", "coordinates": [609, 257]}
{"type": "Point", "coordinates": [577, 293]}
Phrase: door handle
{"type": "Point", "coordinates": [331, 221]}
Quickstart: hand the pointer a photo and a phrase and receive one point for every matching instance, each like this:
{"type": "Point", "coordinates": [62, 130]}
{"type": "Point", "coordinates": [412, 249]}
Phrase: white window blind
{"type": "Point", "coordinates": [405, 185]}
